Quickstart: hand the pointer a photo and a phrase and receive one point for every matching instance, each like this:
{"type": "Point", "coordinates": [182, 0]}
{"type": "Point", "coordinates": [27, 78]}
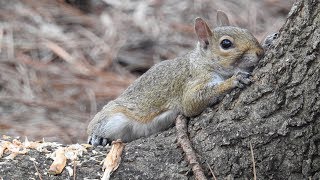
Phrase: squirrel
{"type": "Point", "coordinates": [221, 61]}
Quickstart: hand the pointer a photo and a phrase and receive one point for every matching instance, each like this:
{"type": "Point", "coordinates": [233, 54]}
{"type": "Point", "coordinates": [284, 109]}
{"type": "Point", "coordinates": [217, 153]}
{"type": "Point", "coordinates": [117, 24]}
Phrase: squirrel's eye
{"type": "Point", "coordinates": [226, 44]}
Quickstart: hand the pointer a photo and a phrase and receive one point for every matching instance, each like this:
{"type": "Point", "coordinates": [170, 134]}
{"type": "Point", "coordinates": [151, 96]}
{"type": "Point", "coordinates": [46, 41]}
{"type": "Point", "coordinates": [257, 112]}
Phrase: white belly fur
{"type": "Point", "coordinates": [215, 80]}
{"type": "Point", "coordinates": [120, 127]}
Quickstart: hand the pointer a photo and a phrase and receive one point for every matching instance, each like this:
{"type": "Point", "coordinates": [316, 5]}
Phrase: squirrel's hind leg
{"type": "Point", "coordinates": [160, 123]}
{"type": "Point", "coordinates": [106, 130]}
{"type": "Point", "coordinates": [119, 126]}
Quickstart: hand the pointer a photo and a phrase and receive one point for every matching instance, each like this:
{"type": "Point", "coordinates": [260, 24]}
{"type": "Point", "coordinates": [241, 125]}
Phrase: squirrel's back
{"type": "Point", "coordinates": [158, 83]}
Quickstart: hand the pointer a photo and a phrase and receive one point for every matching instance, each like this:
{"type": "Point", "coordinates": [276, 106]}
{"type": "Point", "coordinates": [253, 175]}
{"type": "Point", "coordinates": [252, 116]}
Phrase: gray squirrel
{"type": "Point", "coordinates": [221, 61]}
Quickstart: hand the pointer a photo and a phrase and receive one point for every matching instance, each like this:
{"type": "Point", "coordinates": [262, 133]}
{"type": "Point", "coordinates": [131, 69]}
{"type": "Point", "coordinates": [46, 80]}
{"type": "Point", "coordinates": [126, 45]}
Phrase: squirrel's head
{"type": "Point", "coordinates": [228, 47]}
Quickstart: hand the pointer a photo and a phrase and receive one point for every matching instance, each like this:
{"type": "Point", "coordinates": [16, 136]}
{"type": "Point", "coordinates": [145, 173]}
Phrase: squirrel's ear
{"type": "Point", "coordinates": [203, 32]}
{"type": "Point", "coordinates": [222, 19]}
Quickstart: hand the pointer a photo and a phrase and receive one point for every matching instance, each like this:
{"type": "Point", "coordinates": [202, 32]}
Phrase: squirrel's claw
{"type": "Point", "coordinates": [242, 79]}
{"type": "Point", "coordinates": [269, 40]}
{"type": "Point", "coordinates": [98, 141]}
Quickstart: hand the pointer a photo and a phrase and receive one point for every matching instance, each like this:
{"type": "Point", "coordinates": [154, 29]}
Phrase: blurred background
{"type": "Point", "coordinates": [62, 60]}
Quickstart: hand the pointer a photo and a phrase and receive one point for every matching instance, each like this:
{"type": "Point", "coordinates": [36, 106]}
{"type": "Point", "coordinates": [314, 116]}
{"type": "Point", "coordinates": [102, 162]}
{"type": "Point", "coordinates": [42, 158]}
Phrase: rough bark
{"type": "Point", "coordinates": [279, 114]}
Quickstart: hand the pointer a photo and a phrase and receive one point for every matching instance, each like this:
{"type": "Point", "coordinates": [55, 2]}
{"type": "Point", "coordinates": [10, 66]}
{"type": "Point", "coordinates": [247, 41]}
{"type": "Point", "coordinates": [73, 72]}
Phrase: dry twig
{"type": "Point", "coordinates": [253, 162]}
{"type": "Point", "coordinates": [214, 177]}
{"type": "Point", "coordinates": [184, 142]}
{"type": "Point", "coordinates": [35, 166]}
{"type": "Point", "coordinates": [74, 169]}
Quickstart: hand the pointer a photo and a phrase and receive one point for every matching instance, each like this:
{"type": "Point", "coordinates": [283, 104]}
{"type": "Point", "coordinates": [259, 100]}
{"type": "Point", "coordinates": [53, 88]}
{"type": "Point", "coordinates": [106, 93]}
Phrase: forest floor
{"type": "Point", "coordinates": [60, 63]}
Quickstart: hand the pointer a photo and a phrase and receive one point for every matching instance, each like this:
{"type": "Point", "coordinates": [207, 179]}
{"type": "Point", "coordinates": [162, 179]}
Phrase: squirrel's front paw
{"type": "Point", "coordinates": [242, 79]}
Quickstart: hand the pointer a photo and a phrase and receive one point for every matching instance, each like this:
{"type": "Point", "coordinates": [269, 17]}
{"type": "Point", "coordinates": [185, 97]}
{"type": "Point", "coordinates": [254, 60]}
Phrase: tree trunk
{"type": "Point", "coordinates": [279, 114]}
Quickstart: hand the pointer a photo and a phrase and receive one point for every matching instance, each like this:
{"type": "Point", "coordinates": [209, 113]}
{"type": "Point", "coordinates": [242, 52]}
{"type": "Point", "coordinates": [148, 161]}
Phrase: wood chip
{"type": "Point", "coordinates": [5, 137]}
{"type": "Point", "coordinates": [3, 146]}
{"type": "Point", "coordinates": [14, 148]}
{"type": "Point", "coordinates": [59, 162]}
{"type": "Point", "coordinates": [31, 144]}
{"type": "Point", "coordinates": [74, 151]}
{"type": "Point", "coordinates": [112, 161]}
